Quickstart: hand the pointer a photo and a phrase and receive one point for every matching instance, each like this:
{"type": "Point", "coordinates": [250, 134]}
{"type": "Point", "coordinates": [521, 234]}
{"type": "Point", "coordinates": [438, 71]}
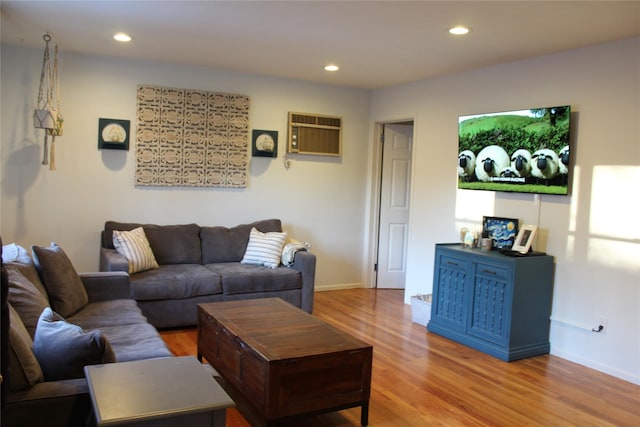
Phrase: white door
{"type": "Point", "coordinates": [394, 206]}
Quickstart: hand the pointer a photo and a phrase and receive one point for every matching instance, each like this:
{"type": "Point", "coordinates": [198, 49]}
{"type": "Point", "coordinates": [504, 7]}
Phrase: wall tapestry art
{"type": "Point", "coordinates": [191, 138]}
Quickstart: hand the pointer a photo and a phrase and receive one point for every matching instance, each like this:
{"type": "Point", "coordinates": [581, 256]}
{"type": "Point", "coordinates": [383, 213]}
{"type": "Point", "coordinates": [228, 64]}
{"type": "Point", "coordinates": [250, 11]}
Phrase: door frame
{"type": "Point", "coordinates": [375, 185]}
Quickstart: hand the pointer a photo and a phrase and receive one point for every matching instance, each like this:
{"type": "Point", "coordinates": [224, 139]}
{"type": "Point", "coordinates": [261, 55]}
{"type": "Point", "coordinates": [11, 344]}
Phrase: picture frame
{"type": "Point", "coordinates": [524, 239]}
{"type": "Point", "coordinates": [502, 231]}
{"type": "Point", "coordinates": [113, 134]}
{"type": "Point", "coordinates": [264, 143]}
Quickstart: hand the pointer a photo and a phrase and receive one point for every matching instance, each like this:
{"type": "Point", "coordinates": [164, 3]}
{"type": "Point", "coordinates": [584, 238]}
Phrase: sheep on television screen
{"type": "Point", "coordinates": [521, 162]}
{"type": "Point", "coordinates": [544, 164]}
{"type": "Point", "coordinates": [491, 160]}
{"type": "Point", "coordinates": [466, 165]}
{"type": "Point", "coordinates": [509, 172]}
{"type": "Point", "coordinates": [563, 164]}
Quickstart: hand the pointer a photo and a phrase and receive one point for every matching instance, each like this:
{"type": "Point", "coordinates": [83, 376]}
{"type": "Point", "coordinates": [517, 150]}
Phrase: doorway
{"type": "Point", "coordinates": [396, 140]}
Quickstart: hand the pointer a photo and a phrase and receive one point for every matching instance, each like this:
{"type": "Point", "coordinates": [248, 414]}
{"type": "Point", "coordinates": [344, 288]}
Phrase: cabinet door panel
{"type": "Point", "coordinates": [452, 292]}
{"type": "Point", "coordinates": [491, 305]}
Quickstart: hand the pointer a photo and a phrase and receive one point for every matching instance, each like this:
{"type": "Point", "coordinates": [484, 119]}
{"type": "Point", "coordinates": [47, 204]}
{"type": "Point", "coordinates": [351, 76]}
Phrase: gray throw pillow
{"type": "Point", "coordinates": [24, 368]}
{"type": "Point", "coordinates": [67, 294]}
{"type": "Point", "coordinates": [19, 259]}
{"type": "Point", "coordinates": [25, 298]}
{"type": "Point", "coordinates": [64, 349]}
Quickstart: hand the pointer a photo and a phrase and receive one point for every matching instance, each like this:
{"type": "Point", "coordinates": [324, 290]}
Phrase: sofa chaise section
{"type": "Point", "coordinates": [29, 398]}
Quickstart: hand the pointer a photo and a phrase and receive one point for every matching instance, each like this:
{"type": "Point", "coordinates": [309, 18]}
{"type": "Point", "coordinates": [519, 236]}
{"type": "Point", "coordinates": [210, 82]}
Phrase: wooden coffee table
{"type": "Point", "coordinates": [279, 362]}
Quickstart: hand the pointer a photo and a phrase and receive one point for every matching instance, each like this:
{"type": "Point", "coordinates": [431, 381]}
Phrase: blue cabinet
{"type": "Point", "coordinates": [492, 302]}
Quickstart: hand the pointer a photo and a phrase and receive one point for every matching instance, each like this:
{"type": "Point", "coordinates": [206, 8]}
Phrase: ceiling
{"type": "Point", "coordinates": [375, 43]}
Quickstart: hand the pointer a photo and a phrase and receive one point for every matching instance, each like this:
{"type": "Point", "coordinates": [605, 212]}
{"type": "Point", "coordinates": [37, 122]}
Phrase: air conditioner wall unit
{"type": "Point", "coordinates": [314, 134]}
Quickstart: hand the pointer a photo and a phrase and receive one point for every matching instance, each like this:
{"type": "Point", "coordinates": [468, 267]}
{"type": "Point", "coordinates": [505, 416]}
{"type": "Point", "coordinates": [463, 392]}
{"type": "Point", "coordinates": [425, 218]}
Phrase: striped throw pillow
{"type": "Point", "coordinates": [134, 246]}
{"type": "Point", "coordinates": [264, 248]}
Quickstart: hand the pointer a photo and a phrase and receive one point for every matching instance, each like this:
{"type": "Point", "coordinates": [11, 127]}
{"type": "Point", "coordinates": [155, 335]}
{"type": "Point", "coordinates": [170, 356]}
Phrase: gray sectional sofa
{"type": "Point", "coordinates": [200, 264]}
{"type": "Point", "coordinates": [43, 356]}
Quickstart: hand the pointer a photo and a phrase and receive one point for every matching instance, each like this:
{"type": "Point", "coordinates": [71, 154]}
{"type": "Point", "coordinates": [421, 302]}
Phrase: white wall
{"type": "Point", "coordinates": [319, 199]}
{"type": "Point", "coordinates": [593, 234]}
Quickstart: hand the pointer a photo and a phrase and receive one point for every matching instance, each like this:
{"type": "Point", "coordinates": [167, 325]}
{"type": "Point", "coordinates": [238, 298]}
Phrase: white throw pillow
{"type": "Point", "coordinates": [134, 246]}
{"type": "Point", "coordinates": [10, 252]}
{"type": "Point", "coordinates": [264, 248]}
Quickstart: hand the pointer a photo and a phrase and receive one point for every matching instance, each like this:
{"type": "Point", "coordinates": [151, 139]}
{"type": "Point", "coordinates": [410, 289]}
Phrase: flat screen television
{"type": "Point", "coordinates": [524, 151]}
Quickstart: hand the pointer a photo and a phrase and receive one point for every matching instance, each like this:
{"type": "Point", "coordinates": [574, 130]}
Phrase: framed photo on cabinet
{"type": "Point", "coordinates": [524, 239]}
{"type": "Point", "coordinates": [502, 231]}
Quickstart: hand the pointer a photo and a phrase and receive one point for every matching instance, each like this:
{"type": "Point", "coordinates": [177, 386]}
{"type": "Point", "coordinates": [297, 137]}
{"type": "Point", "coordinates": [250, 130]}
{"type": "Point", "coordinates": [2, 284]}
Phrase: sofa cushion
{"type": "Point", "coordinates": [134, 246]}
{"type": "Point", "coordinates": [175, 244]}
{"type": "Point", "coordinates": [174, 282]}
{"type": "Point", "coordinates": [24, 367]}
{"type": "Point", "coordinates": [64, 349]}
{"type": "Point", "coordinates": [171, 244]}
{"type": "Point", "coordinates": [135, 342]}
{"type": "Point", "coordinates": [98, 315]}
{"type": "Point", "coordinates": [66, 292]}
{"type": "Point", "coordinates": [26, 298]}
{"type": "Point", "coordinates": [17, 257]}
{"type": "Point", "coordinates": [237, 278]}
{"type": "Point", "coordinates": [221, 244]}
{"type": "Point", "coordinates": [264, 248]}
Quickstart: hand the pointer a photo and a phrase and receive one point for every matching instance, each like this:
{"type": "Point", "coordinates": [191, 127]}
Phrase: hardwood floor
{"type": "Point", "coordinates": [422, 379]}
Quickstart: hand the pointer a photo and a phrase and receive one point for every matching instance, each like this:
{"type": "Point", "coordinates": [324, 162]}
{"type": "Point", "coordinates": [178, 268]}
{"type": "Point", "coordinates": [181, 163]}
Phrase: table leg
{"type": "Point", "coordinates": [364, 415]}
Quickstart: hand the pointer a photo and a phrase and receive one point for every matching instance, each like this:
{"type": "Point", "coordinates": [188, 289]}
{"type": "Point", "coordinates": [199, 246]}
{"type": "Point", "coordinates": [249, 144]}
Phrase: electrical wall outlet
{"type": "Point", "coordinates": [603, 323]}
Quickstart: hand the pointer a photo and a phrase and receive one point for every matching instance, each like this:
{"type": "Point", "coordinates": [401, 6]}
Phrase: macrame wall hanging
{"type": "Point", "coordinates": [48, 114]}
{"type": "Point", "coordinates": [191, 138]}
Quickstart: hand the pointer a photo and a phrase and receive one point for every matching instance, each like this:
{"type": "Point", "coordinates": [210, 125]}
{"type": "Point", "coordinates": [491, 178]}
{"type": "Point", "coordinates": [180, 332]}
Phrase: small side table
{"type": "Point", "coordinates": [156, 392]}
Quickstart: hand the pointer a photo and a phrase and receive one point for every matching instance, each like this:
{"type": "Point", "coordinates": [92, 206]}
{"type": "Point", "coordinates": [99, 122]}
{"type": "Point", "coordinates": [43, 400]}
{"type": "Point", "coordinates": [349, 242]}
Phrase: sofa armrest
{"type": "Point", "coordinates": [109, 285]}
{"type": "Point", "coordinates": [111, 260]}
{"type": "Point", "coordinates": [305, 263]}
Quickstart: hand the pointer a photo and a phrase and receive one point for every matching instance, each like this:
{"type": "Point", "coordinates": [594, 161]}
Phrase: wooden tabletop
{"type": "Point", "coordinates": [278, 330]}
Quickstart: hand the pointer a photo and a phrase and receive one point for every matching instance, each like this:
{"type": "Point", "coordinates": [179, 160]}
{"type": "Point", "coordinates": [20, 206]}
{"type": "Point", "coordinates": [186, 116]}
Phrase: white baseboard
{"type": "Point", "coordinates": [626, 376]}
{"type": "Point", "coordinates": [338, 287]}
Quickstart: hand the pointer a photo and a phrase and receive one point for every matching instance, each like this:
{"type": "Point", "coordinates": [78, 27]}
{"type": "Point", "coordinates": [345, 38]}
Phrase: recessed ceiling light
{"type": "Point", "coordinates": [122, 37]}
{"type": "Point", "coordinates": [459, 30]}
{"type": "Point", "coordinates": [331, 67]}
